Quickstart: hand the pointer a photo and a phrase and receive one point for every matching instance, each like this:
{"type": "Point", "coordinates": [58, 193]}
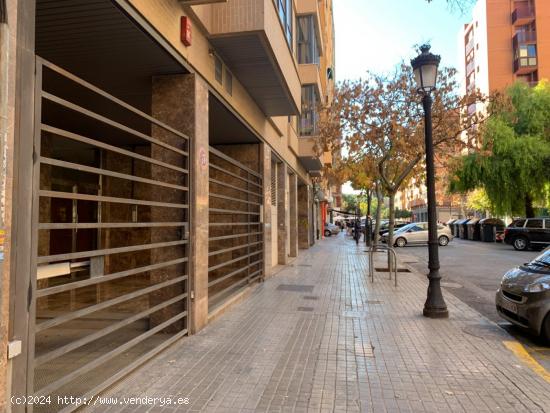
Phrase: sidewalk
{"type": "Point", "coordinates": [319, 336]}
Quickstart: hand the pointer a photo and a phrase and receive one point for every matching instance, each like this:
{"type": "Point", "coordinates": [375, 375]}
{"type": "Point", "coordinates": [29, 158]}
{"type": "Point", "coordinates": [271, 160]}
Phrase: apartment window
{"type": "Point", "coordinates": [306, 38]}
{"type": "Point", "coordinates": [309, 116]}
{"type": "Point", "coordinates": [228, 81]}
{"type": "Point", "coordinates": [285, 14]}
{"type": "Point", "coordinates": [526, 55]}
{"type": "Point", "coordinates": [218, 69]}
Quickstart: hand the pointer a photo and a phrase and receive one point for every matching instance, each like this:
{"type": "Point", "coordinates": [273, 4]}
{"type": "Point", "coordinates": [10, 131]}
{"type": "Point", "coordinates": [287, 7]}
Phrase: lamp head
{"type": "Point", "coordinates": [425, 68]}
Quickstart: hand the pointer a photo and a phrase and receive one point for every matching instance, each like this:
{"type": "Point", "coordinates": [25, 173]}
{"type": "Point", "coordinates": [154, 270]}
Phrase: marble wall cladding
{"type": "Point", "coordinates": [181, 101]}
{"type": "Point", "coordinates": [282, 212]}
{"type": "Point", "coordinates": [293, 211]}
{"type": "Point", "coordinates": [265, 156]}
{"type": "Point", "coordinates": [304, 213]}
{"type": "Point", "coordinates": [172, 105]}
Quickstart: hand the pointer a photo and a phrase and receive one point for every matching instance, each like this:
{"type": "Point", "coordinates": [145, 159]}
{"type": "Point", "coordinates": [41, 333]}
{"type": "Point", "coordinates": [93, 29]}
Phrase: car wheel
{"type": "Point", "coordinates": [400, 242]}
{"type": "Point", "coordinates": [521, 243]}
{"type": "Point", "coordinates": [327, 233]}
{"type": "Point", "coordinates": [443, 240]}
{"type": "Point", "coordinates": [545, 329]}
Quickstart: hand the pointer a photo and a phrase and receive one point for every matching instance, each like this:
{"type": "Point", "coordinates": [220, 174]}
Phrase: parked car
{"type": "Point", "coordinates": [417, 233]}
{"type": "Point", "coordinates": [531, 232]}
{"type": "Point", "coordinates": [331, 229]}
{"type": "Point", "coordinates": [385, 227]}
{"type": "Point", "coordinates": [524, 296]}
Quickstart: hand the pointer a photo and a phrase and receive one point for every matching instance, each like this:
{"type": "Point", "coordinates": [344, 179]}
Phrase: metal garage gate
{"type": "Point", "coordinates": [110, 225]}
{"type": "Point", "coordinates": [235, 253]}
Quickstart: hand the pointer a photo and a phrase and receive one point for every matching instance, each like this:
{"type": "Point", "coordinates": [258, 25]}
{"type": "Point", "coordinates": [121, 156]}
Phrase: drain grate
{"type": "Point", "coordinates": [386, 269]}
{"type": "Point", "coordinates": [310, 297]}
{"type": "Point", "coordinates": [306, 309]}
{"type": "Point", "coordinates": [297, 288]}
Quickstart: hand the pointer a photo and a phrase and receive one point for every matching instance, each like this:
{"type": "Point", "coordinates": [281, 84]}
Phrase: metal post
{"type": "Point", "coordinates": [435, 306]}
{"type": "Point", "coordinates": [357, 225]}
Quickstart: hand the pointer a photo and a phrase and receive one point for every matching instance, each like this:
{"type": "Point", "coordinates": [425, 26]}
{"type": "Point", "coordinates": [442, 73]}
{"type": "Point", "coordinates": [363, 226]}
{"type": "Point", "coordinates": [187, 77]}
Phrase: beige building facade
{"type": "Point", "coordinates": [159, 165]}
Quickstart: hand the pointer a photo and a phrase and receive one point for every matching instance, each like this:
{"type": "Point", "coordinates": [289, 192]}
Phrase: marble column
{"type": "Point", "coordinates": [265, 157]}
{"type": "Point", "coordinates": [304, 217]}
{"type": "Point", "coordinates": [182, 102]}
{"type": "Point", "coordinates": [282, 201]}
{"type": "Point", "coordinates": [293, 211]}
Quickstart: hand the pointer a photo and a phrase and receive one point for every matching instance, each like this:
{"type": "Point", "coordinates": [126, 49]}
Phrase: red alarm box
{"type": "Point", "coordinates": [186, 31]}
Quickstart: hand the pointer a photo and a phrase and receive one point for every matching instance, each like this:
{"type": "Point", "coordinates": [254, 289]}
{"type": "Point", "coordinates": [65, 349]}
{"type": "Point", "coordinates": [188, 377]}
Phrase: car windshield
{"type": "Point", "coordinates": [543, 259]}
{"type": "Point", "coordinates": [405, 228]}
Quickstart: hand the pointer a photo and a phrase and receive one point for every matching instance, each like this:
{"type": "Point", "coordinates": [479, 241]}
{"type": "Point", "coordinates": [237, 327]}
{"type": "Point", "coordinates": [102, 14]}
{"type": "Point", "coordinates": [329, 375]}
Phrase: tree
{"type": "Point", "coordinates": [479, 201]}
{"type": "Point", "coordinates": [377, 125]}
{"type": "Point", "coordinates": [458, 5]}
{"type": "Point", "coordinates": [511, 165]}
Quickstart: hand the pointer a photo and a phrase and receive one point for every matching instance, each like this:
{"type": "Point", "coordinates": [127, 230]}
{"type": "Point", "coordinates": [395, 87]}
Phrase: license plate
{"type": "Point", "coordinates": [507, 305]}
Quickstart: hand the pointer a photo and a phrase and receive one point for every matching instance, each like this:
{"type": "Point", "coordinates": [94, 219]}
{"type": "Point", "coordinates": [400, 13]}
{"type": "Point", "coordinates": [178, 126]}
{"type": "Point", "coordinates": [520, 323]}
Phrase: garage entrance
{"type": "Point", "coordinates": [110, 237]}
{"type": "Point", "coordinates": [235, 257]}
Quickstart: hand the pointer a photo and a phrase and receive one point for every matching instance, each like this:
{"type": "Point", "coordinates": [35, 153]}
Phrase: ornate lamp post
{"type": "Point", "coordinates": [425, 73]}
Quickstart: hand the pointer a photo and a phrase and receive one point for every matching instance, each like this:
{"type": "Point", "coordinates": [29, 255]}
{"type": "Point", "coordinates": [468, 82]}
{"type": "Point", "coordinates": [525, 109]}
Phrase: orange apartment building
{"type": "Point", "coordinates": [507, 40]}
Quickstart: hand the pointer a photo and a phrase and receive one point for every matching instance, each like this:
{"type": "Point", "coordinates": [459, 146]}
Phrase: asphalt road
{"type": "Point", "coordinates": [472, 271]}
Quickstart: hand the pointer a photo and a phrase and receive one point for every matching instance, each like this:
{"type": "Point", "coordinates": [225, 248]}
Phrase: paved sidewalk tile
{"type": "Point", "coordinates": [320, 337]}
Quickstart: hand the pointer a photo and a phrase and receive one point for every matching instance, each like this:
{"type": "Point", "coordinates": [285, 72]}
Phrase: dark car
{"type": "Point", "coordinates": [524, 296]}
{"type": "Point", "coordinates": [386, 227]}
{"type": "Point", "coordinates": [528, 232]}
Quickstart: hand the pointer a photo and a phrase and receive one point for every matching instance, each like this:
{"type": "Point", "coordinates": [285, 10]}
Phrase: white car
{"type": "Point", "coordinates": [417, 233]}
{"type": "Point", "coordinates": [331, 229]}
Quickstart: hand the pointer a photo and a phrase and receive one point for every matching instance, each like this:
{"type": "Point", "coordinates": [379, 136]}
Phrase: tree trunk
{"type": "Point", "coordinates": [391, 195]}
{"type": "Point", "coordinates": [391, 226]}
{"type": "Point", "coordinates": [368, 228]}
{"type": "Point", "coordinates": [380, 199]}
{"type": "Point", "coordinates": [529, 210]}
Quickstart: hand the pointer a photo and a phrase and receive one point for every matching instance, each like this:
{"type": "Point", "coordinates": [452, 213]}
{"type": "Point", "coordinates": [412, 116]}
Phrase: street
{"type": "Point", "coordinates": [472, 271]}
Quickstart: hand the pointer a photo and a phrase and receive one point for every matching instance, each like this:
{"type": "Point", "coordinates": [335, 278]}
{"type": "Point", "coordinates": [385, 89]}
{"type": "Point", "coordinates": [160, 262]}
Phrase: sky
{"type": "Point", "coordinates": [377, 35]}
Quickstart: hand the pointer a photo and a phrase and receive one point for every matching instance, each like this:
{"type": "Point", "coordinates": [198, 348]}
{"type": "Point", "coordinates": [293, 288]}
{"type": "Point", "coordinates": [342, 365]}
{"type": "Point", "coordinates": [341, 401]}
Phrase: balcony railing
{"type": "Point", "coordinates": [470, 66]}
{"type": "Point", "coordinates": [525, 38]}
{"type": "Point", "coordinates": [523, 15]}
{"type": "Point", "coordinates": [308, 123]}
{"type": "Point", "coordinates": [469, 47]}
{"type": "Point", "coordinates": [524, 65]}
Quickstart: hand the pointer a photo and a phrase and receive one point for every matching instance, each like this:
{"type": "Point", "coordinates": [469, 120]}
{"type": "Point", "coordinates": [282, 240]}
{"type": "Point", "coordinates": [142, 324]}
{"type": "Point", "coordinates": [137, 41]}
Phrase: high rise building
{"type": "Point", "coordinates": [507, 40]}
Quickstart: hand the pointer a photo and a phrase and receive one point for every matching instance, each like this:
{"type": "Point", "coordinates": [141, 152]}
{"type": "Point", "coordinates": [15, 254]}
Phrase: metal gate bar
{"type": "Point", "coordinates": [236, 199]}
{"type": "Point", "coordinates": [135, 273]}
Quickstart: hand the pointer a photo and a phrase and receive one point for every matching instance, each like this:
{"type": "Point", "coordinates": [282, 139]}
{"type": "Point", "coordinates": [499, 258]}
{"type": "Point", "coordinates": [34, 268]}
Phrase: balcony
{"type": "Point", "coordinates": [469, 47]}
{"type": "Point", "coordinates": [310, 75]}
{"type": "Point", "coordinates": [528, 37]}
{"type": "Point", "coordinates": [308, 157]}
{"type": "Point", "coordinates": [523, 15]}
{"type": "Point", "coordinates": [525, 65]}
{"type": "Point", "coordinates": [470, 66]}
{"type": "Point", "coordinates": [249, 37]}
{"type": "Point", "coordinates": [311, 7]}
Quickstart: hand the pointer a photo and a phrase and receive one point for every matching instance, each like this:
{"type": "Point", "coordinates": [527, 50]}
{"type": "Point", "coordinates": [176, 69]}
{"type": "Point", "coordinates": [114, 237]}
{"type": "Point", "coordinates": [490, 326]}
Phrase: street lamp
{"type": "Point", "coordinates": [425, 74]}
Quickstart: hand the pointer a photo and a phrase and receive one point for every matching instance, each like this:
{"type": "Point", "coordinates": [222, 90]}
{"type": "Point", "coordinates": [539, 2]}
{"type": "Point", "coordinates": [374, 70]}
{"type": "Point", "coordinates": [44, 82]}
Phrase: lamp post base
{"type": "Point", "coordinates": [435, 306]}
{"type": "Point", "coordinates": [433, 312]}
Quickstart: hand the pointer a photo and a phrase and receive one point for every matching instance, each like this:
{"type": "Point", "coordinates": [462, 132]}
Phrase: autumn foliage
{"type": "Point", "coordinates": [376, 125]}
